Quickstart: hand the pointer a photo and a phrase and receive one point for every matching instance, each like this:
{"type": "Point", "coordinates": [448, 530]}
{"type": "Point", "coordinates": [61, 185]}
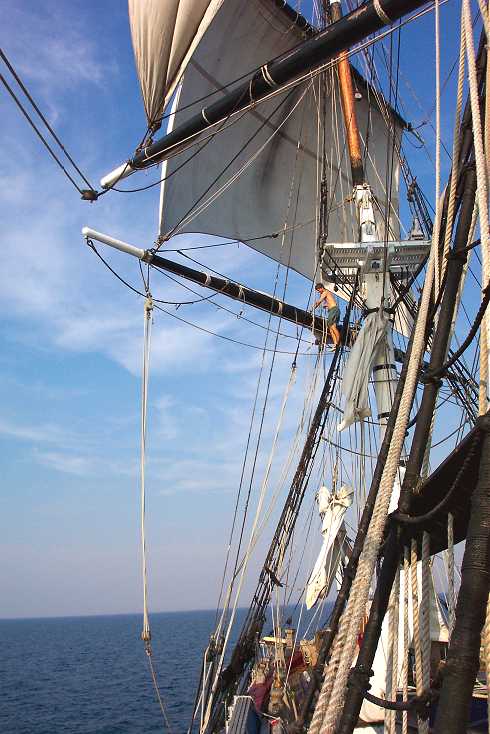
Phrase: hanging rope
{"type": "Point", "coordinates": [417, 634]}
{"type": "Point", "coordinates": [437, 222]}
{"type": "Point", "coordinates": [406, 638]}
{"type": "Point", "coordinates": [450, 572]}
{"type": "Point", "coordinates": [249, 550]}
{"type": "Point", "coordinates": [481, 175]}
{"type": "Point", "coordinates": [392, 662]}
{"type": "Point", "coordinates": [146, 632]}
{"type": "Point", "coordinates": [425, 605]}
{"type": "Point", "coordinates": [486, 653]}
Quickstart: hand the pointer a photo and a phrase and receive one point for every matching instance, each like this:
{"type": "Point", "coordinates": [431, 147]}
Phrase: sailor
{"type": "Point", "coordinates": [328, 300]}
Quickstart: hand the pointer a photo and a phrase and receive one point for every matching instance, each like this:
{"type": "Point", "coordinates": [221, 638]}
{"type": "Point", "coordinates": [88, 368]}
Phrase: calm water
{"type": "Point", "coordinates": [90, 674]}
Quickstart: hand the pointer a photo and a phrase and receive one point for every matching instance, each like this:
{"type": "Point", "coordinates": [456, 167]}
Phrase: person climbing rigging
{"type": "Point", "coordinates": [329, 301]}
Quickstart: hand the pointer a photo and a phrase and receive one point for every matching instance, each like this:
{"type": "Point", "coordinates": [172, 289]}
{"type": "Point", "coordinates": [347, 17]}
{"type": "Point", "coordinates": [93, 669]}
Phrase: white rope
{"type": "Point", "coordinates": [481, 176]}
{"type": "Point", "coordinates": [406, 636]}
{"type": "Point", "coordinates": [456, 147]}
{"type": "Point", "coordinates": [335, 683]}
{"type": "Point", "coordinates": [423, 726]}
{"type": "Point", "coordinates": [381, 13]}
{"type": "Point", "coordinates": [451, 599]}
{"type": "Point", "coordinates": [248, 553]}
{"type": "Point", "coordinates": [425, 606]}
{"type": "Point", "coordinates": [486, 654]}
{"type": "Point", "coordinates": [485, 325]}
{"type": "Point", "coordinates": [437, 218]}
{"type": "Point", "coordinates": [146, 634]}
{"type": "Point", "coordinates": [392, 658]}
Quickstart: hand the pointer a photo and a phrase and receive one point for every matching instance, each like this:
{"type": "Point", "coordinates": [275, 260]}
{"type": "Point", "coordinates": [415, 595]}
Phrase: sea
{"type": "Point", "coordinates": [90, 675]}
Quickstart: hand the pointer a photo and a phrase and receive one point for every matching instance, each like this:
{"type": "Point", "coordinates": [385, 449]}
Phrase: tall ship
{"type": "Point", "coordinates": [282, 128]}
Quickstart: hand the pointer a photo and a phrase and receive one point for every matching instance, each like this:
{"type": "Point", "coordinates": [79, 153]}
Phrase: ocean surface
{"type": "Point", "coordinates": [90, 675]}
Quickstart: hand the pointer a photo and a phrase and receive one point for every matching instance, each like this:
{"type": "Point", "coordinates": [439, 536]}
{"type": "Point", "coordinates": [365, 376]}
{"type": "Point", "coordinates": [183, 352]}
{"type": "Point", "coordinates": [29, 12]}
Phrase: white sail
{"type": "Point", "coordinates": [165, 34]}
{"type": "Point", "coordinates": [332, 508]}
{"type": "Point", "coordinates": [271, 152]}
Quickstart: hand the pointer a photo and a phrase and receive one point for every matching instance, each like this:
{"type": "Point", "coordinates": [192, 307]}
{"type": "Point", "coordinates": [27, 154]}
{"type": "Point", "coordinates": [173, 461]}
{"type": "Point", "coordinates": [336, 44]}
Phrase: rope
{"type": "Point", "coordinates": [486, 653]}
{"type": "Point", "coordinates": [419, 661]}
{"type": "Point", "coordinates": [146, 632]}
{"type": "Point", "coordinates": [456, 147]}
{"type": "Point", "coordinates": [148, 308]}
{"type": "Point", "coordinates": [392, 663]}
{"type": "Point", "coordinates": [406, 640]}
{"type": "Point", "coordinates": [38, 133]}
{"type": "Point", "coordinates": [250, 545]}
{"type": "Point", "coordinates": [484, 332]}
{"type": "Point", "coordinates": [335, 683]}
{"type": "Point", "coordinates": [43, 118]}
{"type": "Point", "coordinates": [425, 611]}
{"type": "Point", "coordinates": [437, 219]}
{"type": "Point", "coordinates": [450, 572]}
{"type": "Point", "coordinates": [481, 176]}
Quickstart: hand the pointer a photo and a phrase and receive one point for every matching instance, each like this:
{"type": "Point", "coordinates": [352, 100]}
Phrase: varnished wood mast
{"type": "Point", "coordinates": [348, 106]}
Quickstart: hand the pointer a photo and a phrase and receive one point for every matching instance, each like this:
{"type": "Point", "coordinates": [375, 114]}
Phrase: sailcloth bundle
{"type": "Point", "coordinates": [332, 508]}
{"type": "Point", "coordinates": [355, 383]}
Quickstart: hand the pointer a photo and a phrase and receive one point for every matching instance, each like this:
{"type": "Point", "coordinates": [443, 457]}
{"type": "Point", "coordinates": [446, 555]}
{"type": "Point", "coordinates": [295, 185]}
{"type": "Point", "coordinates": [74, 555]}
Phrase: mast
{"type": "Point", "coordinates": [348, 106]}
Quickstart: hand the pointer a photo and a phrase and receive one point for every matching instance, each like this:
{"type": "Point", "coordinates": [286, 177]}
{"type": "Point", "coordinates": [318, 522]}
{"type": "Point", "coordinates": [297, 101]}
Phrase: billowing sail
{"type": "Point", "coordinates": [165, 34]}
{"type": "Point", "coordinates": [257, 174]}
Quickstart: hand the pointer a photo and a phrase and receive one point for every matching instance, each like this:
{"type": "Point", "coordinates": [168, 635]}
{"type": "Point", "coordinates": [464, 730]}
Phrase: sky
{"type": "Point", "coordinates": [70, 363]}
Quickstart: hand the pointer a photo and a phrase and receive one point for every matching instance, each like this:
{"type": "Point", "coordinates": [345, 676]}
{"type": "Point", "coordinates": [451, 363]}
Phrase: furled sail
{"type": "Point", "coordinates": [257, 174]}
{"type": "Point", "coordinates": [357, 373]}
{"type": "Point", "coordinates": [332, 508]}
{"type": "Point", "coordinates": [165, 34]}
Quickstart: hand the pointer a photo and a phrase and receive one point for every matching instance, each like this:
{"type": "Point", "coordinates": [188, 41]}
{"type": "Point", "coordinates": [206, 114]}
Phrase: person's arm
{"type": "Point", "coordinates": [322, 298]}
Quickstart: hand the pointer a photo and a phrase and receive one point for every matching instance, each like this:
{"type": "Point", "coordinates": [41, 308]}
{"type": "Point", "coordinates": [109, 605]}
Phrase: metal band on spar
{"type": "Point", "coordinates": [311, 55]}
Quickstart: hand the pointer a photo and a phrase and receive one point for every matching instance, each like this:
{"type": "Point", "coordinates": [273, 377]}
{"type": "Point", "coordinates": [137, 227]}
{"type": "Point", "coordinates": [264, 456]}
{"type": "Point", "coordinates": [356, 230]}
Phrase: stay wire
{"type": "Point", "coordinates": [43, 118]}
{"type": "Point", "coordinates": [38, 132]}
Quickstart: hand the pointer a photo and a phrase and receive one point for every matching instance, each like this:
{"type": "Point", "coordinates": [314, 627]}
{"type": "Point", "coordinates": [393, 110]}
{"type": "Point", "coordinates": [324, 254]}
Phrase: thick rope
{"type": "Point", "coordinates": [486, 654]}
{"type": "Point", "coordinates": [344, 646]}
{"type": "Point", "coordinates": [485, 325]}
{"type": "Point", "coordinates": [437, 220]}
{"type": "Point", "coordinates": [392, 662]}
{"type": "Point", "coordinates": [417, 641]}
{"type": "Point", "coordinates": [451, 599]}
{"type": "Point", "coordinates": [425, 606]}
{"type": "Point", "coordinates": [406, 635]}
{"type": "Point", "coordinates": [481, 175]}
{"type": "Point", "coordinates": [455, 152]}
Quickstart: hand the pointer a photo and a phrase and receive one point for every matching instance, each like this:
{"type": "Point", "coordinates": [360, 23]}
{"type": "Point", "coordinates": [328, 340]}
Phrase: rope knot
{"type": "Point", "coordinates": [148, 304]}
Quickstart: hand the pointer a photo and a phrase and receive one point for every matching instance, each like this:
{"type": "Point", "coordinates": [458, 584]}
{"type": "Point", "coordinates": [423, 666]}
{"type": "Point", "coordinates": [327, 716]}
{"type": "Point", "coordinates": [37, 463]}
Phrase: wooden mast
{"type": "Point", "coordinates": [348, 106]}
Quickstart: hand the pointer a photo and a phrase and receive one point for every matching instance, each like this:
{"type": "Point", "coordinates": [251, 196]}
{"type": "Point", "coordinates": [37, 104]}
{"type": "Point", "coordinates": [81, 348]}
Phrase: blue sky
{"type": "Point", "coordinates": [72, 340]}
